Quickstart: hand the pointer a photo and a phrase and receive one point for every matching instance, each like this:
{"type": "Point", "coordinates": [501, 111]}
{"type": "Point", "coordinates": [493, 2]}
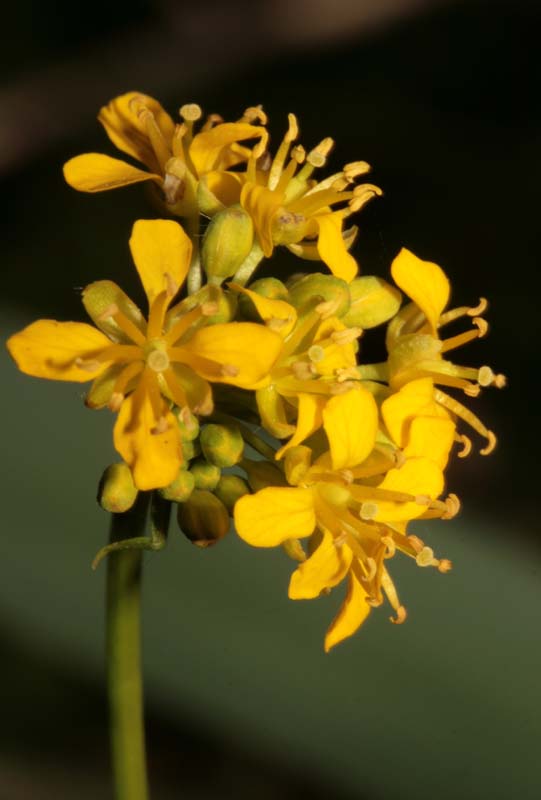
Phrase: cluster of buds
{"type": "Point", "coordinates": [255, 400]}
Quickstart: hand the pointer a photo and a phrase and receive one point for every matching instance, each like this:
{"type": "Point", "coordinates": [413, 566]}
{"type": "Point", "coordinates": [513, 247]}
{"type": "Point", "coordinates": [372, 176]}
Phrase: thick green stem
{"type": "Point", "coordinates": [124, 657]}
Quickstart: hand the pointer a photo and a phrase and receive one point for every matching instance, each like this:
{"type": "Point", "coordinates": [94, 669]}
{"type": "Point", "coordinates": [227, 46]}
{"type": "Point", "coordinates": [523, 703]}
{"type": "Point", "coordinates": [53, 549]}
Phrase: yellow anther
{"type": "Point", "coordinates": [465, 441]}
{"type": "Point", "coordinates": [362, 195]}
{"type": "Point", "coordinates": [453, 506]}
{"type": "Point", "coordinates": [191, 112]}
{"type": "Point", "coordinates": [229, 370]}
{"type": "Point", "coordinates": [479, 309]}
{"type": "Point", "coordinates": [445, 565]}
{"type": "Point", "coordinates": [161, 426]}
{"type": "Point", "coordinates": [422, 500]}
{"type": "Point", "coordinates": [261, 147]}
{"type": "Point", "coordinates": [293, 129]}
{"type": "Point", "coordinates": [298, 153]}
{"type": "Point", "coordinates": [401, 615]}
{"type": "Point", "coordinates": [425, 557]}
{"type": "Point", "coordinates": [347, 475]}
{"type": "Point", "coordinates": [109, 312]}
{"type": "Point", "coordinates": [472, 390]}
{"type": "Point", "coordinates": [371, 569]}
{"type": "Point", "coordinates": [390, 545]}
{"type": "Point", "coordinates": [88, 364]}
{"type": "Point", "coordinates": [368, 510]}
{"type": "Point", "coordinates": [346, 336]}
{"type": "Point", "coordinates": [499, 381]}
{"type": "Point", "coordinates": [211, 121]}
{"type": "Point", "coordinates": [482, 324]}
{"type": "Point", "coordinates": [339, 184]}
{"type": "Point", "coordinates": [316, 353]}
{"type": "Point", "coordinates": [490, 445]}
{"type": "Point", "coordinates": [328, 308]}
{"type": "Point", "coordinates": [115, 401]}
{"type": "Point", "coordinates": [356, 168]}
{"type": "Point", "coordinates": [209, 308]}
{"type": "Point", "coordinates": [318, 156]}
{"type": "Point", "coordinates": [254, 114]}
{"type": "Point", "coordinates": [346, 374]}
{"type": "Point", "coordinates": [303, 370]}
{"type": "Point", "coordinates": [205, 407]}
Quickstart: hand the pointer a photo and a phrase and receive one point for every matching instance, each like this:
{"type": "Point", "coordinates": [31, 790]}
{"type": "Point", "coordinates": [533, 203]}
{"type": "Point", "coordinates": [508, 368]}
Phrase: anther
{"type": "Point", "coordinates": [229, 371]}
{"type": "Point", "coordinates": [423, 500]}
{"type": "Point", "coordinates": [390, 545]}
{"type": "Point", "coordinates": [362, 195]}
{"type": "Point", "coordinates": [453, 506]}
{"type": "Point", "coordinates": [318, 156]}
{"type": "Point", "coordinates": [347, 475]}
{"type": "Point", "coordinates": [487, 377]}
{"type": "Point", "coordinates": [346, 336]}
{"type": "Point", "coordinates": [479, 309]}
{"type": "Point", "coordinates": [298, 153]}
{"type": "Point", "coordinates": [161, 426]}
{"type": "Point", "coordinates": [209, 308]}
{"type": "Point", "coordinates": [276, 324]}
{"type": "Point", "coordinates": [425, 558]}
{"type": "Point", "coordinates": [445, 565]}
{"type": "Point", "coordinates": [293, 129]}
{"type": "Point", "coordinates": [303, 370]}
{"type": "Point", "coordinates": [346, 374]}
{"type": "Point", "coordinates": [356, 168]}
{"type": "Point", "coordinates": [465, 441]}
{"type": "Point", "coordinates": [490, 445]}
{"type": "Point", "coordinates": [109, 312]}
{"type": "Point", "coordinates": [190, 112]}
{"type": "Point", "coordinates": [401, 615]}
{"type": "Point", "coordinates": [368, 511]}
{"type": "Point", "coordinates": [88, 364]}
{"type": "Point", "coordinates": [472, 390]}
{"type": "Point", "coordinates": [482, 324]}
{"type": "Point", "coordinates": [316, 353]}
{"type": "Point", "coordinates": [115, 401]}
{"type": "Point", "coordinates": [328, 308]}
{"type": "Point", "coordinates": [254, 114]}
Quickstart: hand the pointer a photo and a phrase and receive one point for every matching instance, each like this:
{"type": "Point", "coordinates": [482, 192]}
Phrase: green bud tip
{"type": "Point", "coordinates": [312, 290]}
{"type": "Point", "coordinates": [206, 476]}
{"type": "Point", "coordinates": [231, 488]}
{"type": "Point", "coordinates": [181, 488]}
{"type": "Point", "coordinates": [222, 445]}
{"type": "Point", "coordinates": [117, 492]}
{"type": "Point", "coordinates": [227, 242]}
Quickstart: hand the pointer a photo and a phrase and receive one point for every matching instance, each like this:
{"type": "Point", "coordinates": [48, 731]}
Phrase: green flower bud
{"type": "Point", "coordinates": [117, 492]}
{"type": "Point", "coordinates": [373, 301]}
{"type": "Point", "coordinates": [190, 450]}
{"type": "Point", "coordinates": [181, 488]}
{"type": "Point", "coordinates": [266, 287]}
{"type": "Point", "coordinates": [208, 203]}
{"type": "Point", "coordinates": [188, 425]}
{"type": "Point", "coordinates": [230, 489]}
{"type": "Point", "coordinates": [311, 290]}
{"type": "Point", "coordinates": [203, 518]}
{"type": "Point", "coordinates": [206, 475]}
{"type": "Point", "coordinates": [227, 242]}
{"type": "Point", "coordinates": [222, 445]}
{"type": "Point", "coordinates": [262, 474]}
{"type": "Point", "coordinates": [224, 302]}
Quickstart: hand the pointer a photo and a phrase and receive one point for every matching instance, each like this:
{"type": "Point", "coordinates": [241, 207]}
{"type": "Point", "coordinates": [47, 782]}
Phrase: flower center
{"type": "Point", "coordinates": [156, 356]}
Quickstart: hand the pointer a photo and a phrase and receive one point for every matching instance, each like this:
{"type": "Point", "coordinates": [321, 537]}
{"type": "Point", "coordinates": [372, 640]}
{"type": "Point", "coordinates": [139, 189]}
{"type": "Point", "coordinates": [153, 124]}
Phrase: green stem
{"type": "Point", "coordinates": [124, 657]}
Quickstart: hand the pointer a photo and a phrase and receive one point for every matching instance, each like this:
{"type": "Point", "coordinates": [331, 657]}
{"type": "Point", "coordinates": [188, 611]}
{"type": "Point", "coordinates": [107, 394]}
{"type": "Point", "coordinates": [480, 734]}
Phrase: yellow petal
{"type": "Point", "coordinates": [245, 350]}
{"type": "Point", "coordinates": [309, 419]}
{"type": "Point", "coordinates": [48, 349]}
{"type": "Point", "coordinates": [95, 172]}
{"type": "Point", "coordinates": [277, 314]}
{"type": "Point", "coordinates": [336, 355]}
{"type": "Point", "coordinates": [414, 399]}
{"type": "Point", "coordinates": [261, 204]}
{"type": "Point", "coordinates": [431, 437]}
{"type": "Point", "coordinates": [162, 253]}
{"type": "Point", "coordinates": [325, 568]}
{"type": "Point", "coordinates": [424, 282]}
{"type": "Point", "coordinates": [271, 516]}
{"type": "Point", "coordinates": [352, 614]}
{"type": "Point", "coordinates": [154, 458]}
{"type": "Point", "coordinates": [208, 150]}
{"type": "Point", "coordinates": [332, 248]}
{"type": "Point", "coordinates": [419, 477]}
{"type": "Point", "coordinates": [272, 412]}
{"type": "Point", "coordinates": [128, 131]}
{"type": "Point", "coordinates": [351, 423]}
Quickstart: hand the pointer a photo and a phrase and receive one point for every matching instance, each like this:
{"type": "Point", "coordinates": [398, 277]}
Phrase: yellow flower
{"type": "Point", "coordinates": [288, 207]}
{"type": "Point", "coordinates": [416, 350]}
{"type": "Point", "coordinates": [175, 157]}
{"type": "Point", "coordinates": [141, 369]}
{"type": "Point", "coordinates": [316, 347]}
{"type": "Point", "coordinates": [354, 503]}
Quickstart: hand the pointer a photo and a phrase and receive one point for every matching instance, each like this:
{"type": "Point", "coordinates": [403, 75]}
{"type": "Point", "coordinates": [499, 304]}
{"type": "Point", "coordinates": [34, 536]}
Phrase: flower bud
{"type": "Point", "coordinates": [203, 518]}
{"type": "Point", "coordinates": [222, 444]}
{"type": "Point", "coordinates": [373, 301]}
{"type": "Point", "coordinates": [117, 492]}
{"type": "Point", "coordinates": [225, 303]}
{"type": "Point", "coordinates": [206, 475]}
{"type": "Point", "coordinates": [181, 488]}
{"type": "Point", "coordinates": [311, 290]}
{"type": "Point", "coordinates": [266, 287]}
{"type": "Point", "coordinates": [227, 242]}
{"type": "Point", "coordinates": [262, 474]}
{"type": "Point", "coordinates": [190, 450]}
{"type": "Point", "coordinates": [231, 488]}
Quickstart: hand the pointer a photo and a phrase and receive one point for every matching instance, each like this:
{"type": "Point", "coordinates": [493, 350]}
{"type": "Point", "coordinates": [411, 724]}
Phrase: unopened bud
{"type": "Point", "coordinates": [203, 518]}
{"type": "Point", "coordinates": [288, 227]}
{"type": "Point", "coordinates": [231, 488]}
{"type": "Point", "coordinates": [311, 290]}
{"type": "Point", "coordinates": [117, 492]}
{"type": "Point", "coordinates": [222, 444]}
{"type": "Point", "coordinates": [206, 475]}
{"type": "Point", "coordinates": [181, 488]}
{"type": "Point", "coordinates": [190, 450]}
{"type": "Point", "coordinates": [373, 301]}
{"type": "Point", "coordinates": [262, 474]}
{"type": "Point", "coordinates": [227, 242]}
{"type": "Point", "coordinates": [188, 425]}
{"type": "Point", "coordinates": [271, 288]}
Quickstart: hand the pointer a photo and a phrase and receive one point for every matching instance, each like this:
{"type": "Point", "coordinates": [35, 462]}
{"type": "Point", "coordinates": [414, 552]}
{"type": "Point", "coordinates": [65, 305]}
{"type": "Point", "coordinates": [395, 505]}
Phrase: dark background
{"type": "Point", "coordinates": [443, 100]}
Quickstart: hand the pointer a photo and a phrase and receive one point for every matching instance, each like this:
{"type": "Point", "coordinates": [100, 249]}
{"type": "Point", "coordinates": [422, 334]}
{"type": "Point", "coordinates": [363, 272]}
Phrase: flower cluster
{"type": "Point", "coordinates": [253, 399]}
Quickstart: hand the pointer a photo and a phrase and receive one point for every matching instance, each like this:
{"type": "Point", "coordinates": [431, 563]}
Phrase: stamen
{"type": "Point", "coordinates": [416, 543]}
{"type": "Point", "coordinates": [463, 311]}
{"type": "Point", "coordinates": [174, 184]}
{"type": "Point", "coordinates": [254, 114]}
{"type": "Point", "coordinates": [211, 121]}
{"type": "Point", "coordinates": [316, 353]}
{"type": "Point", "coordinates": [341, 388]}
{"type": "Point", "coordinates": [362, 195]}
{"type": "Point", "coordinates": [346, 374]}
{"type": "Point", "coordinates": [347, 475]}
{"type": "Point", "coordinates": [115, 401]}
{"type": "Point", "coordinates": [109, 312]}
{"type": "Point", "coordinates": [492, 441]}
{"type": "Point", "coordinates": [119, 389]}
{"type": "Point", "coordinates": [372, 569]}
{"type": "Point", "coordinates": [303, 370]}
{"type": "Point", "coordinates": [328, 308]}
{"type": "Point", "coordinates": [368, 511]}
{"type": "Point", "coordinates": [157, 314]}
{"type": "Point", "coordinates": [425, 558]}
{"type": "Point", "coordinates": [390, 545]}
{"type": "Point", "coordinates": [177, 142]}
{"type": "Point", "coordinates": [171, 286]}
{"type": "Point", "coordinates": [461, 411]}
{"type": "Point", "coordinates": [356, 168]}
{"type": "Point", "coordinates": [261, 147]}
{"type": "Point", "coordinates": [466, 445]}
{"type": "Point", "coordinates": [209, 308]}
{"type": "Point", "coordinates": [155, 136]}
{"type": "Point", "coordinates": [88, 364]}
{"type": "Point", "coordinates": [276, 324]}
{"type": "Point", "coordinates": [191, 112]}
{"type": "Point", "coordinates": [479, 309]}
{"type": "Point", "coordinates": [161, 426]}
{"type": "Point", "coordinates": [318, 156]}
{"type": "Point", "coordinates": [281, 155]}
{"type": "Point", "coordinates": [341, 539]}
{"type": "Point", "coordinates": [463, 338]}
{"type": "Point", "coordinates": [229, 370]}
{"type": "Point", "coordinates": [445, 565]}
{"type": "Point", "coordinates": [453, 506]}
{"type": "Point", "coordinates": [401, 615]}
{"type": "Point", "coordinates": [178, 394]}
{"type": "Point", "coordinates": [298, 153]}
{"type": "Point", "coordinates": [472, 390]}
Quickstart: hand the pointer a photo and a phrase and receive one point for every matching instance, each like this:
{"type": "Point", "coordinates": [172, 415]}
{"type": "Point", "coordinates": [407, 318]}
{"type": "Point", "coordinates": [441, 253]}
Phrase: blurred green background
{"type": "Point", "coordinates": [443, 99]}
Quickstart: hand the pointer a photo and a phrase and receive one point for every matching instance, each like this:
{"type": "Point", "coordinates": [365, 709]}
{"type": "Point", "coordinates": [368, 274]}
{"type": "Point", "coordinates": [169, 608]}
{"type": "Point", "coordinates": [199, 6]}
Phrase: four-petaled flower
{"type": "Point", "coordinates": [144, 369]}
